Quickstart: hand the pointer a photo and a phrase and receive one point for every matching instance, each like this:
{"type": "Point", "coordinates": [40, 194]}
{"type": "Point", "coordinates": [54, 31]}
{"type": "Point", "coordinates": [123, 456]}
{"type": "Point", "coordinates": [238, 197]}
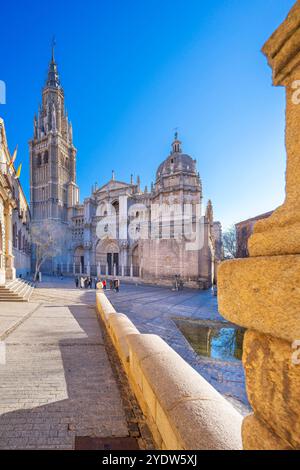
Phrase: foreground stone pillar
{"type": "Point", "coordinates": [262, 292]}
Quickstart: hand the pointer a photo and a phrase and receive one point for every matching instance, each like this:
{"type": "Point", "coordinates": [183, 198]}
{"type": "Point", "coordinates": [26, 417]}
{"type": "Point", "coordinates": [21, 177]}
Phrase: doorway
{"type": "Point", "coordinates": [112, 259]}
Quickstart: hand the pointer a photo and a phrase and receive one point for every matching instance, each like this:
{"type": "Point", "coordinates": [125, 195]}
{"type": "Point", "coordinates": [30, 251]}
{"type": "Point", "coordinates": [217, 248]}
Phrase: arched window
{"type": "Point", "coordinates": [39, 159]}
{"type": "Point", "coordinates": [46, 157]}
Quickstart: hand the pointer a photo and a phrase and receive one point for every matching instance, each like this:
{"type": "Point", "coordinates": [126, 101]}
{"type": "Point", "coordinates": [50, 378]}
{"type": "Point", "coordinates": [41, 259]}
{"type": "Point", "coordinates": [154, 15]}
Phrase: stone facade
{"type": "Point", "coordinates": [244, 231]}
{"type": "Point", "coordinates": [261, 293]}
{"type": "Point", "coordinates": [53, 189]}
{"type": "Point", "coordinates": [15, 245]}
{"type": "Point", "coordinates": [147, 245]}
{"type": "Point", "coordinates": [96, 244]}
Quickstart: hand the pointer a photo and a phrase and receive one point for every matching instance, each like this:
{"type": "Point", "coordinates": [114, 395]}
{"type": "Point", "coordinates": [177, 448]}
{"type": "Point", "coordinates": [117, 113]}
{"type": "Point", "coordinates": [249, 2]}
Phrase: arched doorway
{"type": "Point", "coordinates": [79, 259]}
{"type": "Point", "coordinates": [107, 254]}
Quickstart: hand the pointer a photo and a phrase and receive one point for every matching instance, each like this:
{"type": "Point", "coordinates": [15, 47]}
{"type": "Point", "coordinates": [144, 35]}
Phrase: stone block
{"type": "Point", "coordinates": [273, 384]}
{"type": "Point", "coordinates": [134, 368]}
{"type": "Point", "coordinates": [149, 397]}
{"type": "Point", "coordinates": [119, 327]}
{"type": "Point", "coordinates": [104, 307]}
{"type": "Point", "coordinates": [205, 424]}
{"type": "Point", "coordinates": [257, 436]}
{"type": "Point", "coordinates": [262, 293]}
{"type": "Point", "coordinates": [191, 406]}
{"type": "Point", "coordinates": [166, 430]}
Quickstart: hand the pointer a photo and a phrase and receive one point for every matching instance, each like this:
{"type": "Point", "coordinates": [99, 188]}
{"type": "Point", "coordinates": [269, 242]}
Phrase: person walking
{"type": "Point", "coordinates": [104, 284]}
{"type": "Point", "coordinates": [81, 282]}
{"type": "Point", "coordinates": [116, 285]}
{"type": "Point", "coordinates": [76, 282]}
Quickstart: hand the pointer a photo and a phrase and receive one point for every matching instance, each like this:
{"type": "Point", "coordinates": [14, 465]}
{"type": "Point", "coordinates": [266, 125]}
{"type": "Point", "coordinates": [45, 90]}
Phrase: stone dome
{"type": "Point", "coordinates": [176, 162]}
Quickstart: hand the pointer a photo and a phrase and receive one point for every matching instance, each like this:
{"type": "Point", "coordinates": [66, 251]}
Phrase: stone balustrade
{"type": "Point", "coordinates": [183, 410]}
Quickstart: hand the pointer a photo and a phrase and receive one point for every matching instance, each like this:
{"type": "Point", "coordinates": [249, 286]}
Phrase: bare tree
{"type": "Point", "coordinates": [229, 243]}
{"type": "Point", "coordinates": [48, 239]}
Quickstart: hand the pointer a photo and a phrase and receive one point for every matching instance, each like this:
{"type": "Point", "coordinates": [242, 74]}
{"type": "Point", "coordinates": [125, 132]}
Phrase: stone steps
{"type": "Point", "coordinates": [18, 290]}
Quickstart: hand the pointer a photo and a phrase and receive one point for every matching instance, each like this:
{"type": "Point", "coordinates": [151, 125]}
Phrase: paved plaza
{"type": "Point", "coordinates": [57, 382]}
{"type": "Point", "coordinates": [153, 310]}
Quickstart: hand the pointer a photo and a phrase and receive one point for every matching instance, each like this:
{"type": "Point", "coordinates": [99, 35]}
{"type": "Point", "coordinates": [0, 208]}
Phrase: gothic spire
{"type": "Point", "coordinates": [53, 78]}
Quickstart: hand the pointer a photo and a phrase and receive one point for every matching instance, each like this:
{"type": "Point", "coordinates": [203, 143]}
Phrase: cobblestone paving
{"type": "Point", "coordinates": [152, 309]}
{"type": "Point", "coordinates": [57, 381]}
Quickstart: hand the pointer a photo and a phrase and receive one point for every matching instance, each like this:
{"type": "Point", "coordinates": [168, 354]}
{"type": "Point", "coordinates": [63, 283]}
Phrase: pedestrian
{"type": "Point", "coordinates": [76, 282]}
{"type": "Point", "coordinates": [111, 284]}
{"type": "Point", "coordinates": [81, 282]}
{"type": "Point", "coordinates": [90, 282]}
{"type": "Point", "coordinates": [104, 284]}
{"type": "Point", "coordinates": [95, 282]}
{"type": "Point", "coordinates": [117, 285]}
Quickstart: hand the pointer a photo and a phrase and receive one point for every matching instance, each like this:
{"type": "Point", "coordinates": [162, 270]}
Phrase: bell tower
{"type": "Point", "coordinates": [53, 189]}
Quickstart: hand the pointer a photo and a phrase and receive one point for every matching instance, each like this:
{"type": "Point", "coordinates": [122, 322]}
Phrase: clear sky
{"type": "Point", "coordinates": [133, 70]}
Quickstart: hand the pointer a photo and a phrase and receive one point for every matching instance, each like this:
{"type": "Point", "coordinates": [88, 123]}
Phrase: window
{"type": "Point", "coordinates": [46, 157]}
{"type": "Point", "coordinates": [39, 159]}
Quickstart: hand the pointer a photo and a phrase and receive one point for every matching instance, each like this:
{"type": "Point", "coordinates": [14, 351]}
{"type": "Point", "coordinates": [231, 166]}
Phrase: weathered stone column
{"type": "Point", "coordinates": [262, 292]}
{"type": "Point", "coordinates": [10, 271]}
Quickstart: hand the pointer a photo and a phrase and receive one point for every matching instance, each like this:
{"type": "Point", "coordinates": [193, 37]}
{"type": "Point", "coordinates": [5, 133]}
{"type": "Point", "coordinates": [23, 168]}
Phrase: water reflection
{"type": "Point", "coordinates": [214, 339]}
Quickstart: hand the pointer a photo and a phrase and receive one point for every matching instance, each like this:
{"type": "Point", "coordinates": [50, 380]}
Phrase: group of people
{"type": "Point", "coordinates": [88, 282]}
{"type": "Point", "coordinates": [85, 282]}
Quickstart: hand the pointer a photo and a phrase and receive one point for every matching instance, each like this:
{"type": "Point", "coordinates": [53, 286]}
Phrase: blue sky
{"type": "Point", "coordinates": [134, 70]}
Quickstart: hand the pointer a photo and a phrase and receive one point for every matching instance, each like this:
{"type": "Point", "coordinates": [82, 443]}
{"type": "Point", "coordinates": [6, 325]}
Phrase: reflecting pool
{"type": "Point", "coordinates": [216, 340]}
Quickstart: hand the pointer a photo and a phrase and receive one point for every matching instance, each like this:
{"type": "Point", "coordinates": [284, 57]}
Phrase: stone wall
{"type": "Point", "coordinates": [262, 292]}
{"type": "Point", "coordinates": [183, 411]}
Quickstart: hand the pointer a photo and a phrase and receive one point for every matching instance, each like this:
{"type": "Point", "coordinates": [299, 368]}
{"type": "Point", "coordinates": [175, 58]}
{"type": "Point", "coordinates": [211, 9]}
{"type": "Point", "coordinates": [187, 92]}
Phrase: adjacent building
{"type": "Point", "coordinates": [244, 231]}
{"type": "Point", "coordinates": [15, 244]}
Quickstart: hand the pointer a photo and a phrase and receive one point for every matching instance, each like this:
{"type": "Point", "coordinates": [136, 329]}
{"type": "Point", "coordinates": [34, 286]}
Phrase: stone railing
{"type": "Point", "coordinates": [262, 292]}
{"type": "Point", "coordinates": [183, 411]}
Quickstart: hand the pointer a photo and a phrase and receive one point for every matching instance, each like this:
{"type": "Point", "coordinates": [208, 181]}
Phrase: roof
{"type": "Point", "coordinates": [176, 162]}
{"type": "Point", "coordinates": [255, 219]}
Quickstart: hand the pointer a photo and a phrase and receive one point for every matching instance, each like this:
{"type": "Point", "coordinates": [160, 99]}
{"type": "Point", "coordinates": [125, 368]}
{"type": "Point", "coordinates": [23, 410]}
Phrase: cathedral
{"type": "Point", "coordinates": [152, 236]}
